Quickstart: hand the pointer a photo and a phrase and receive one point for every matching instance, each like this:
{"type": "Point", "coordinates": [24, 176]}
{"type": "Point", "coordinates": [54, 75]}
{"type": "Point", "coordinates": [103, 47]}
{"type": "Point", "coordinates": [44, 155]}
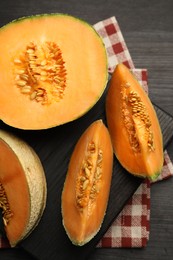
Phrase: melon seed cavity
{"type": "Point", "coordinates": [89, 177]}
{"type": "Point", "coordinates": [133, 107]}
{"type": "Point", "coordinates": [4, 204]}
{"type": "Point", "coordinates": [40, 73]}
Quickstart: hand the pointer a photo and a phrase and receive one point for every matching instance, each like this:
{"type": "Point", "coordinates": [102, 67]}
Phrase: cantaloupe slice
{"type": "Point", "coordinates": [53, 70]}
{"type": "Point", "coordinates": [86, 190]}
{"type": "Point", "coordinates": [133, 125]}
{"type": "Point", "coordinates": [22, 187]}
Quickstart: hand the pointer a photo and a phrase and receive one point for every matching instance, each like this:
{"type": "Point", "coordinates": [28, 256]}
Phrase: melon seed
{"type": "Point", "coordinates": [21, 83]}
{"type": "Point", "coordinates": [89, 161]}
{"type": "Point", "coordinates": [87, 172]}
{"type": "Point", "coordinates": [20, 71]}
{"type": "Point", "coordinates": [85, 184]}
{"type": "Point", "coordinates": [26, 89]}
{"type": "Point", "coordinates": [30, 51]}
{"type": "Point", "coordinates": [24, 77]}
{"type": "Point", "coordinates": [39, 98]}
{"type": "Point", "coordinates": [92, 196]}
{"type": "Point", "coordinates": [82, 178]}
{"type": "Point", "coordinates": [17, 61]}
{"type": "Point", "coordinates": [33, 95]}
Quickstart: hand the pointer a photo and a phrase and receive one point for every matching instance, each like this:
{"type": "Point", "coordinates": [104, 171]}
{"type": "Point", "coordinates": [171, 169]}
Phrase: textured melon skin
{"type": "Point", "coordinates": [35, 178]}
{"type": "Point", "coordinates": [44, 118]}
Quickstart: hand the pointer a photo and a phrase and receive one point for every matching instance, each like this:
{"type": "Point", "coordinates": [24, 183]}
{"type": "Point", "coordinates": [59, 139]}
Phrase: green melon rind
{"type": "Point", "coordinates": [35, 178]}
{"type": "Point", "coordinates": [154, 176]}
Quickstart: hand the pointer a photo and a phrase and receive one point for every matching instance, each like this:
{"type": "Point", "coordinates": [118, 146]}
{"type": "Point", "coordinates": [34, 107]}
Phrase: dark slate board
{"type": "Point", "coordinates": [54, 147]}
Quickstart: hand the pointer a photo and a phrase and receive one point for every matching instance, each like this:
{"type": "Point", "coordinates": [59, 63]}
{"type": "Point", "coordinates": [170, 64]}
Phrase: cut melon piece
{"type": "Point", "coordinates": [23, 188]}
{"type": "Point", "coordinates": [133, 125]}
{"type": "Point", "coordinates": [86, 190]}
{"type": "Point", "coordinates": [53, 70]}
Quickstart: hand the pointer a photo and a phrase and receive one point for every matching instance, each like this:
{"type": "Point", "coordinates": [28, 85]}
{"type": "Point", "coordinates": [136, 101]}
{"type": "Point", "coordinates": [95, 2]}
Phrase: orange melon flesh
{"type": "Point", "coordinates": [15, 185]}
{"type": "Point", "coordinates": [82, 226]}
{"type": "Point", "coordinates": [85, 61]}
{"type": "Point", "coordinates": [146, 162]}
{"type": "Point", "coordinates": [22, 178]}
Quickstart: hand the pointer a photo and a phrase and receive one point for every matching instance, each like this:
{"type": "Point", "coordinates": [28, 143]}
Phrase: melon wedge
{"type": "Point", "coordinates": [86, 190]}
{"type": "Point", "coordinates": [23, 188]}
{"type": "Point", "coordinates": [133, 125]}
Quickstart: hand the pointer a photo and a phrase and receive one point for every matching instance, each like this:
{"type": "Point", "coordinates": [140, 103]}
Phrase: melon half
{"type": "Point", "coordinates": [53, 70]}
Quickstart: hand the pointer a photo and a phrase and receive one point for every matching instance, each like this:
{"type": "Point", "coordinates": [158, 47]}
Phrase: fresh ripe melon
{"type": "Point", "coordinates": [53, 70]}
{"type": "Point", "coordinates": [22, 187]}
{"type": "Point", "coordinates": [133, 125]}
{"type": "Point", "coordinates": [87, 185]}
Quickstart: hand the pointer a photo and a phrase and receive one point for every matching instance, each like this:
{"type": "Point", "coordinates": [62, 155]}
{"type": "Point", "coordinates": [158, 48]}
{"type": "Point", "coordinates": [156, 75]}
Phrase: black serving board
{"type": "Point", "coordinates": [54, 147]}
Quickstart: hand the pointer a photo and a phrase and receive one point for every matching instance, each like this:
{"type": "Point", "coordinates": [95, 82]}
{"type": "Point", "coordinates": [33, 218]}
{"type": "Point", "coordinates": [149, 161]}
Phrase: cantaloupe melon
{"type": "Point", "coordinates": [53, 70]}
{"type": "Point", "coordinates": [133, 125]}
{"type": "Point", "coordinates": [86, 190]}
{"type": "Point", "coordinates": [23, 189]}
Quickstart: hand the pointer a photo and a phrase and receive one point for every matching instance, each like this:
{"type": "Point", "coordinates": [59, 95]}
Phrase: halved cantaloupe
{"type": "Point", "coordinates": [87, 185]}
{"type": "Point", "coordinates": [133, 125]}
{"type": "Point", "coordinates": [22, 187]}
{"type": "Point", "coordinates": [53, 70]}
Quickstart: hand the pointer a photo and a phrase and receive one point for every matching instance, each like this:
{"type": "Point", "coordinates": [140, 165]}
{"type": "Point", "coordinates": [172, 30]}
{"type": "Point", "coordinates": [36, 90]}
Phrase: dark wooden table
{"type": "Point", "coordinates": [147, 29]}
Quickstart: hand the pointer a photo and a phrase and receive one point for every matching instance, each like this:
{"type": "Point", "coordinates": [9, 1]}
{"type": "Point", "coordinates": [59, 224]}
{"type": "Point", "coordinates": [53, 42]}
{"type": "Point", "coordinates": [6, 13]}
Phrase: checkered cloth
{"type": "Point", "coordinates": [117, 51]}
{"type": "Point", "coordinates": [131, 227]}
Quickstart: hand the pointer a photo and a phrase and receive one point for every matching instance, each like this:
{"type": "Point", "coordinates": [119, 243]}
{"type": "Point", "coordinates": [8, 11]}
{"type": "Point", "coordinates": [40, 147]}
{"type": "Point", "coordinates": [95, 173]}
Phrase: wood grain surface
{"type": "Point", "coordinates": [147, 29]}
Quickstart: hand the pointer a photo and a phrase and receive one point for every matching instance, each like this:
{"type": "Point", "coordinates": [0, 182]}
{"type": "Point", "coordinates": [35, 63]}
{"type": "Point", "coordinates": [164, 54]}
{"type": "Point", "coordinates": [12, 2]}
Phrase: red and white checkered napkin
{"type": "Point", "coordinates": [131, 227]}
